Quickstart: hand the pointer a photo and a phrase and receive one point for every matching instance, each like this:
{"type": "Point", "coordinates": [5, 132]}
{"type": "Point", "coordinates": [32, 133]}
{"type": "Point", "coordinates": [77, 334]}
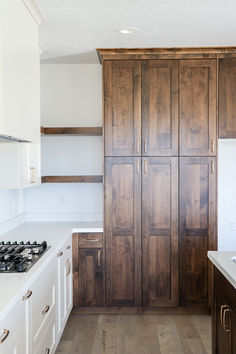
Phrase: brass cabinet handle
{"type": "Point", "coordinates": [46, 309]}
{"type": "Point", "coordinates": [212, 166]}
{"type": "Point", "coordinates": [227, 328]}
{"type": "Point", "coordinates": [47, 351]}
{"type": "Point", "coordinates": [60, 254]}
{"type": "Point", "coordinates": [99, 258]}
{"type": "Point", "coordinates": [145, 145]}
{"type": "Point", "coordinates": [68, 267]}
{"type": "Point", "coordinates": [67, 247]}
{"type": "Point", "coordinates": [32, 175]}
{"type": "Point", "coordinates": [27, 295]}
{"type": "Point", "coordinates": [212, 145]}
{"type": "Point", "coordinates": [221, 313]}
{"type": "Point", "coordinates": [137, 167]}
{"type": "Point", "coordinates": [145, 167]}
{"type": "Point", "coordinates": [5, 334]}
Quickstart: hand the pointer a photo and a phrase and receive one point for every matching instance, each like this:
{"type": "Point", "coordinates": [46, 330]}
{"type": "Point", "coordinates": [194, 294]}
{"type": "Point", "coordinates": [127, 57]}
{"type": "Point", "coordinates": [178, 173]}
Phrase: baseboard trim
{"type": "Point", "coordinates": [189, 310]}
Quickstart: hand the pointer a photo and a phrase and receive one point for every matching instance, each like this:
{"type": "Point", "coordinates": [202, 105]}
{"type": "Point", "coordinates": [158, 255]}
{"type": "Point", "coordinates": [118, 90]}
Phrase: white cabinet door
{"type": "Point", "coordinates": [65, 288]}
{"type": "Point", "coordinates": [20, 165]}
{"type": "Point", "coordinates": [19, 72]}
{"type": "Point", "coordinates": [13, 330]}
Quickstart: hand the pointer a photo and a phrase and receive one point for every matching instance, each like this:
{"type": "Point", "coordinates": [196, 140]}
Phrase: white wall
{"type": "Point", "coordinates": [11, 204]}
{"type": "Point", "coordinates": [227, 195]}
{"type": "Point", "coordinates": [71, 95]}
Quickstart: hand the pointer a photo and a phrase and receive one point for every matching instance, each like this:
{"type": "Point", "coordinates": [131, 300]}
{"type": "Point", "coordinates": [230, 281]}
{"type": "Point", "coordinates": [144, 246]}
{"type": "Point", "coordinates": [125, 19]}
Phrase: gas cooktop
{"type": "Point", "coordinates": [20, 257]}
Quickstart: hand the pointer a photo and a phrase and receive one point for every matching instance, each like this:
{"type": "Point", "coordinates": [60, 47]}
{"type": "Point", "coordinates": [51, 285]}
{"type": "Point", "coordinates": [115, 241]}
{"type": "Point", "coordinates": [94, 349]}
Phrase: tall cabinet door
{"type": "Point", "coordinates": [123, 230]}
{"type": "Point", "coordinates": [122, 108]}
{"type": "Point", "coordinates": [160, 231]}
{"type": "Point", "coordinates": [160, 107]}
{"type": "Point", "coordinates": [197, 107]}
{"type": "Point", "coordinates": [197, 218]}
{"type": "Point", "coordinates": [227, 102]}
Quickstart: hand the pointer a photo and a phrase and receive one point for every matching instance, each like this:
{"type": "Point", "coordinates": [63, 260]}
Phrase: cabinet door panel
{"type": "Point", "coordinates": [90, 277]}
{"type": "Point", "coordinates": [197, 217]}
{"type": "Point", "coordinates": [197, 107]}
{"type": "Point", "coordinates": [122, 108]}
{"type": "Point", "coordinates": [227, 102]}
{"type": "Point", "coordinates": [123, 230]}
{"type": "Point", "coordinates": [160, 107]}
{"type": "Point", "coordinates": [160, 231]}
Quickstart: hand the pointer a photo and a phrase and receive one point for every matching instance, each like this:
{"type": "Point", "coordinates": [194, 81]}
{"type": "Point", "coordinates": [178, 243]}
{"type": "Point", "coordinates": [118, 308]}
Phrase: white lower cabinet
{"type": "Point", "coordinates": [35, 323]}
{"type": "Point", "coordinates": [65, 294]}
{"type": "Point", "coordinates": [13, 330]}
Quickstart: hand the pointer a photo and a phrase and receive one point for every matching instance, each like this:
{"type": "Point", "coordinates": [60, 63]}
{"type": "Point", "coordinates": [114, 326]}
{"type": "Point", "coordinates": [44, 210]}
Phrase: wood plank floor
{"type": "Point", "coordinates": [136, 334]}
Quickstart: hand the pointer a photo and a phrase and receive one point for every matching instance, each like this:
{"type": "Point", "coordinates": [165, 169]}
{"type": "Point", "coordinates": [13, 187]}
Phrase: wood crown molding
{"type": "Point", "coordinates": [34, 11]}
{"type": "Point", "coordinates": [168, 53]}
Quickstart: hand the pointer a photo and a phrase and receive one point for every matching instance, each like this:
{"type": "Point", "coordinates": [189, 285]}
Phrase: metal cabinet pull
{"type": "Point", "coordinates": [212, 166]}
{"type": "Point", "coordinates": [92, 239]}
{"type": "Point", "coordinates": [137, 167]}
{"type": "Point", "coordinates": [227, 328]}
{"type": "Point", "coordinates": [46, 309]}
{"type": "Point", "coordinates": [47, 351]}
{"type": "Point", "coordinates": [212, 145]}
{"type": "Point", "coordinates": [137, 146]}
{"type": "Point", "coordinates": [99, 258]}
{"type": "Point", "coordinates": [27, 295]}
{"type": "Point", "coordinates": [68, 267]}
{"type": "Point", "coordinates": [221, 313]}
{"type": "Point", "coordinates": [60, 254]}
{"type": "Point", "coordinates": [145, 145]}
{"type": "Point", "coordinates": [32, 175]}
{"type": "Point", "coordinates": [145, 167]}
{"type": "Point", "coordinates": [67, 247]}
{"type": "Point", "coordinates": [5, 334]}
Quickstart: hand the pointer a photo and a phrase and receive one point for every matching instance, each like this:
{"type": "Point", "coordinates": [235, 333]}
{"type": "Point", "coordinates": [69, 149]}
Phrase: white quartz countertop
{"type": "Point", "coordinates": [55, 234]}
{"type": "Point", "coordinates": [223, 261]}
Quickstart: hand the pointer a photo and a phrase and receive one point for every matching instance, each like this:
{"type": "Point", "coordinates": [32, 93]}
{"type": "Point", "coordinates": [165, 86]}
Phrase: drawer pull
{"type": "Point", "coordinates": [5, 334]}
{"type": "Point", "coordinates": [27, 295]}
{"type": "Point", "coordinates": [221, 313]}
{"type": "Point", "coordinates": [99, 258]}
{"type": "Point", "coordinates": [67, 247]}
{"type": "Point", "coordinates": [92, 239]}
{"type": "Point", "coordinates": [227, 327]}
{"type": "Point", "coordinates": [45, 310]}
{"type": "Point", "coordinates": [68, 267]}
{"type": "Point", "coordinates": [47, 351]}
{"type": "Point", "coordinates": [32, 175]}
{"type": "Point", "coordinates": [60, 254]}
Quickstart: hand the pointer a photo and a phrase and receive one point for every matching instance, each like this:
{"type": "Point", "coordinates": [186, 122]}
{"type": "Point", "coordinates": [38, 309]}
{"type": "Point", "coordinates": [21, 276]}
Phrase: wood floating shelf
{"type": "Point", "coordinates": [72, 179]}
{"type": "Point", "coordinates": [96, 131]}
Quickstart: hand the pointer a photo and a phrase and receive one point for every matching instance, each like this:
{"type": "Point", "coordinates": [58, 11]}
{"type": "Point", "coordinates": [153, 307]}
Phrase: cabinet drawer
{"type": "Point", "coordinates": [47, 339]}
{"type": "Point", "coordinates": [43, 301]}
{"type": "Point", "coordinates": [90, 240]}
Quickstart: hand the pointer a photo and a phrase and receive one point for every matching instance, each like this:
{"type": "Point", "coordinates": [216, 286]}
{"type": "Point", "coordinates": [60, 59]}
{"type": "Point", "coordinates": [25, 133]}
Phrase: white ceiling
{"type": "Point", "coordinates": [74, 28]}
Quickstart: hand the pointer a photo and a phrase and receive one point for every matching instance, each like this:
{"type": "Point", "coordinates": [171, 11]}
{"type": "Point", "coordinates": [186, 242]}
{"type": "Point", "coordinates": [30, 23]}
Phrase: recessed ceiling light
{"type": "Point", "coordinates": [128, 30]}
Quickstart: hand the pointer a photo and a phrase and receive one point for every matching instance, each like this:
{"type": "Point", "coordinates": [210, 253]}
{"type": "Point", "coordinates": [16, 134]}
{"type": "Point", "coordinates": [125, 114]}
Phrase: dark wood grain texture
{"type": "Point", "coordinates": [71, 131]}
{"type": "Point", "coordinates": [160, 108]}
{"type": "Point", "coordinates": [165, 53]}
{"type": "Point", "coordinates": [227, 101]}
{"type": "Point", "coordinates": [123, 231]}
{"type": "Point", "coordinates": [160, 231]}
{"type": "Point", "coordinates": [72, 179]}
{"type": "Point", "coordinates": [197, 107]}
{"type": "Point", "coordinates": [88, 269]}
{"type": "Point", "coordinates": [197, 218]}
{"type": "Point", "coordinates": [223, 341]}
{"type": "Point", "coordinates": [122, 108]}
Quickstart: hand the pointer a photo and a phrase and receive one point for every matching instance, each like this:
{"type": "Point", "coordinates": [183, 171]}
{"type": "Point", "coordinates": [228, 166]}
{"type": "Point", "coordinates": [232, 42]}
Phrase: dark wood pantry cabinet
{"type": "Point", "coordinates": [160, 148]}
